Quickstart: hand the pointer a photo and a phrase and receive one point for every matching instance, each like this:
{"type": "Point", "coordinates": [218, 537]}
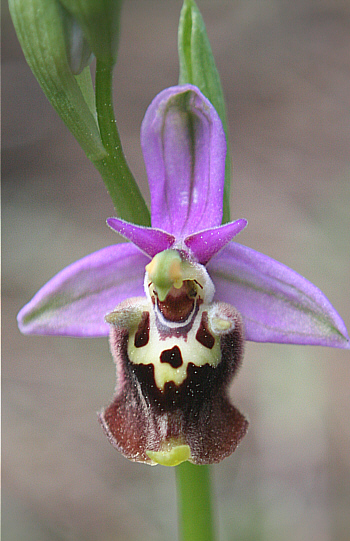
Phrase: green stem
{"type": "Point", "coordinates": [194, 502]}
{"type": "Point", "coordinates": [119, 180]}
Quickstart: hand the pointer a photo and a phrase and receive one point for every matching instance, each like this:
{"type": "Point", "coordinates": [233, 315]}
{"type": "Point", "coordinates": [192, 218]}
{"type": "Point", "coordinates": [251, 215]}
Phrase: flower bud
{"type": "Point", "coordinates": [79, 53]}
{"type": "Point", "coordinates": [99, 20]}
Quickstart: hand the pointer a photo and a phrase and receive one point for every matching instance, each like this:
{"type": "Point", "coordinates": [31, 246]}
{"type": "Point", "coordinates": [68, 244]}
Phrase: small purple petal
{"type": "Point", "coordinates": [184, 149]}
{"type": "Point", "coordinates": [205, 244]}
{"type": "Point", "coordinates": [277, 304]}
{"type": "Point", "coordinates": [148, 240]}
{"type": "Point", "coordinates": [75, 301]}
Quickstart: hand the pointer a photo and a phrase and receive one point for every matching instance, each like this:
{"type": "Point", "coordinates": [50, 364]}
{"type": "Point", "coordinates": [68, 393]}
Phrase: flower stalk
{"type": "Point", "coordinates": [114, 169]}
{"type": "Point", "coordinates": [195, 510]}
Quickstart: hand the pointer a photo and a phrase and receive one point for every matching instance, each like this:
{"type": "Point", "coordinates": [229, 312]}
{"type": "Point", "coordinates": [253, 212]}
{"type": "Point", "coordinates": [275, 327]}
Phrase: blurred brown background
{"type": "Point", "coordinates": [285, 70]}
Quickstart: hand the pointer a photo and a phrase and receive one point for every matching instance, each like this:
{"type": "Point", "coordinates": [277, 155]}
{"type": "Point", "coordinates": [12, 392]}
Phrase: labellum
{"type": "Point", "coordinates": [176, 353]}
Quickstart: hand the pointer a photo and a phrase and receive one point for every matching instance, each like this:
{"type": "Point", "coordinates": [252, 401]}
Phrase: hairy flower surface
{"type": "Point", "coordinates": [176, 331]}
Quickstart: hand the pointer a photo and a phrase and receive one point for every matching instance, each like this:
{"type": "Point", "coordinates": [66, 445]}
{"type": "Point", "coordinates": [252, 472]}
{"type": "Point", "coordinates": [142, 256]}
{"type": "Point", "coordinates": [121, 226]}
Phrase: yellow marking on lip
{"type": "Point", "coordinates": [192, 351]}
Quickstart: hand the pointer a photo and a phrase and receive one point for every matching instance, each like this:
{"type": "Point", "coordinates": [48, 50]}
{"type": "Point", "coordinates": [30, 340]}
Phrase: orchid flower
{"type": "Point", "coordinates": [180, 298]}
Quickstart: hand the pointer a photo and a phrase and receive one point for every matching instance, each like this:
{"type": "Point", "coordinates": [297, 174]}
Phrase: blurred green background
{"type": "Point", "coordinates": [285, 69]}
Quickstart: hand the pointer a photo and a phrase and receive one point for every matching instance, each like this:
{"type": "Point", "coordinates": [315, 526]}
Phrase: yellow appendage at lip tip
{"type": "Point", "coordinates": [173, 456]}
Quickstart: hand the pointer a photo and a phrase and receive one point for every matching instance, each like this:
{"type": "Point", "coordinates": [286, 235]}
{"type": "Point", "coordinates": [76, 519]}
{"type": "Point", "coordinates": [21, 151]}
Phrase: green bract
{"type": "Point", "coordinates": [197, 67]}
{"type": "Point", "coordinates": [57, 41]}
{"type": "Point", "coordinates": [40, 30]}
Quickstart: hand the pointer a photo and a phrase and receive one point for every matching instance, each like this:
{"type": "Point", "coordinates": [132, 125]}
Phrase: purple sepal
{"type": "Point", "coordinates": [148, 240]}
{"type": "Point", "coordinates": [205, 244]}
{"type": "Point", "coordinates": [75, 301]}
{"type": "Point", "coordinates": [277, 304]}
{"type": "Point", "coordinates": [184, 149]}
